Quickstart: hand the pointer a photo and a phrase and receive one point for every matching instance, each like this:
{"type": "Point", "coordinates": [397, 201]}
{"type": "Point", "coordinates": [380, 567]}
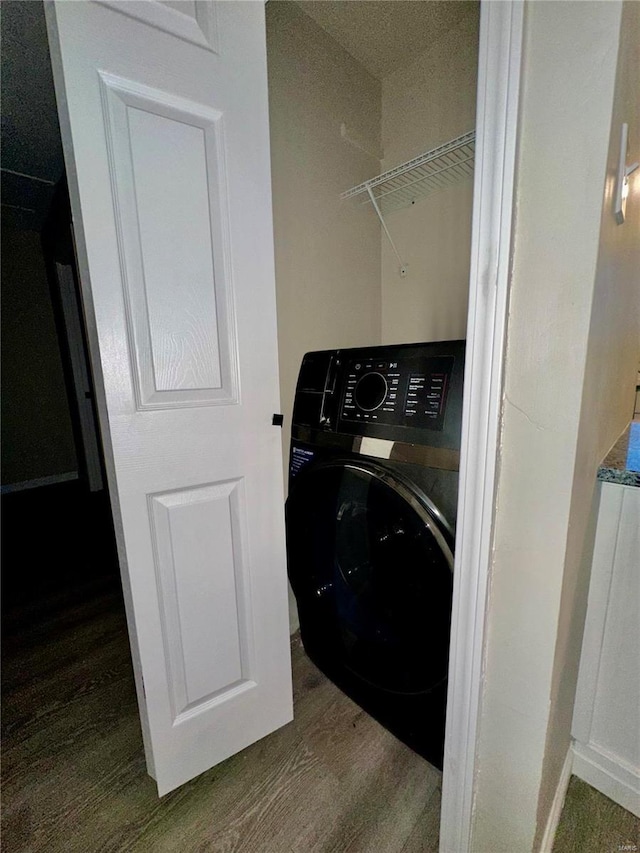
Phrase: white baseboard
{"type": "Point", "coordinates": [40, 481]}
{"type": "Point", "coordinates": [546, 846]}
{"type": "Point", "coordinates": [612, 777]}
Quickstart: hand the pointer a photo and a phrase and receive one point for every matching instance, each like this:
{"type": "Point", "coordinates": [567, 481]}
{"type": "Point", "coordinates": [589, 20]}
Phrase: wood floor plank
{"type": "Point", "coordinates": [332, 781]}
{"type": "Point", "coordinates": [426, 832]}
{"type": "Point", "coordinates": [74, 779]}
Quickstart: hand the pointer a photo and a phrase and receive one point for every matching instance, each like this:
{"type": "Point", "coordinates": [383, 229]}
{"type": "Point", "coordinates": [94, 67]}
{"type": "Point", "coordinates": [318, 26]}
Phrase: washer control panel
{"type": "Point", "coordinates": [408, 391]}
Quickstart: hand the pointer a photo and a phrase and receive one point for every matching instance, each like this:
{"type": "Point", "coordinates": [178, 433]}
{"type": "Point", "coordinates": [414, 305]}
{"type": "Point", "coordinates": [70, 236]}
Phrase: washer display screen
{"type": "Point", "coordinates": [410, 392]}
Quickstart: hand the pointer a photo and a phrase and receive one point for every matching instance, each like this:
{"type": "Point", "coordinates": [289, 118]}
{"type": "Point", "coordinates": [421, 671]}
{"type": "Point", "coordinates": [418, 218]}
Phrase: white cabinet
{"type": "Point", "coordinates": [606, 722]}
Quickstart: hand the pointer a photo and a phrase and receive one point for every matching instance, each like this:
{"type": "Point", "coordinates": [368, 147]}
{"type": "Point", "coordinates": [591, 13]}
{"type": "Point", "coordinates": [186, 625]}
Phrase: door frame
{"type": "Point", "coordinates": [499, 72]}
{"type": "Point", "coordinates": [499, 69]}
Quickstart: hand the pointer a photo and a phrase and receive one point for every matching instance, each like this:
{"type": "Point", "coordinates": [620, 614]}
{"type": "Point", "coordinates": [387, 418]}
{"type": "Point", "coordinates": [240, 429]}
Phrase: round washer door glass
{"type": "Point", "coordinates": [372, 573]}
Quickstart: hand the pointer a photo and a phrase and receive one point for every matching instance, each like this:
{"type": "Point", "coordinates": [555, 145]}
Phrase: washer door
{"type": "Point", "coordinates": [372, 572]}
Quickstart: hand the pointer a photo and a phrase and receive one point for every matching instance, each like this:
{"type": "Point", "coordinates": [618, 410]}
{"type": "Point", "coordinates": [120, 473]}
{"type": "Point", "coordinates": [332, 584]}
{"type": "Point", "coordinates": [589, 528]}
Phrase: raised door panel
{"type": "Point", "coordinates": [615, 726]}
{"type": "Point", "coordinates": [195, 21]}
{"type": "Point", "coordinates": [606, 721]}
{"type": "Point", "coordinates": [203, 581]}
{"type": "Point", "coordinates": [167, 169]}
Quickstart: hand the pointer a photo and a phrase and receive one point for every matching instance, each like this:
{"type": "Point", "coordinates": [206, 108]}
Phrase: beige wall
{"type": "Point", "coordinates": [330, 287]}
{"type": "Point", "coordinates": [430, 101]}
{"type": "Point", "coordinates": [608, 391]}
{"type": "Point", "coordinates": [327, 253]}
{"type": "Point", "coordinates": [571, 355]}
{"type": "Point", "coordinates": [37, 439]}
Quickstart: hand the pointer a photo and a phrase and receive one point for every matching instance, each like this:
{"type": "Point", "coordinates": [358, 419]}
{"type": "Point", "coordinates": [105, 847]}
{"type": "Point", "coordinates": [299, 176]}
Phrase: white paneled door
{"type": "Point", "coordinates": [163, 108]}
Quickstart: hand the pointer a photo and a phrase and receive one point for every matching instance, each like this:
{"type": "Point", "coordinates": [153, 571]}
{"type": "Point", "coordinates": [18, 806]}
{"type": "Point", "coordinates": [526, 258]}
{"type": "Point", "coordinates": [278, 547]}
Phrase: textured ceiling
{"type": "Point", "coordinates": [384, 35]}
{"type": "Point", "coordinates": [31, 144]}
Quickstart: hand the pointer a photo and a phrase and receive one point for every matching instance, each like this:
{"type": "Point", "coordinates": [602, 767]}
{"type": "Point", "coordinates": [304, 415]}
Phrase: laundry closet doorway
{"type": "Point", "coordinates": [456, 278]}
{"type": "Point", "coordinates": [337, 269]}
{"type": "Point", "coordinates": [166, 498]}
{"type": "Point", "coordinates": [355, 90]}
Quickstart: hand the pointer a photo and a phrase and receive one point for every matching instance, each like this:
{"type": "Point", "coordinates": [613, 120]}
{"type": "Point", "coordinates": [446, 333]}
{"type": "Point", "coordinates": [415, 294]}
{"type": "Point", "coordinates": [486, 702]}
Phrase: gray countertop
{"type": "Point", "coordinates": [622, 463]}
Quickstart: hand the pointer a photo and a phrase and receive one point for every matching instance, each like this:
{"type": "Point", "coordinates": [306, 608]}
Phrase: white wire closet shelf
{"type": "Point", "coordinates": [434, 170]}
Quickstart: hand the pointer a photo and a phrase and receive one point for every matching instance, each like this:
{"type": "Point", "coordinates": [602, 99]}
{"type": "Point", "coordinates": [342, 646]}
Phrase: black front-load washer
{"type": "Point", "coordinates": [373, 487]}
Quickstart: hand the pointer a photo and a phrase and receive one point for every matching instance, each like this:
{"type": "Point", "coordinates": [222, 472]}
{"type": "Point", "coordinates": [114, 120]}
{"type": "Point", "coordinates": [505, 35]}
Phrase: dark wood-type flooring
{"type": "Point", "coordinates": [73, 773]}
{"type": "Point", "coordinates": [74, 779]}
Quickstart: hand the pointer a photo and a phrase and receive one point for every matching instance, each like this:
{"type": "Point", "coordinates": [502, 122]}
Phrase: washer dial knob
{"type": "Point", "coordinates": [370, 392]}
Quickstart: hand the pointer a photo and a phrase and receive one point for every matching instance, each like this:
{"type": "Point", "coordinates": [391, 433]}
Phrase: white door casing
{"type": "Point", "coordinates": [500, 53]}
{"type": "Point", "coordinates": [163, 110]}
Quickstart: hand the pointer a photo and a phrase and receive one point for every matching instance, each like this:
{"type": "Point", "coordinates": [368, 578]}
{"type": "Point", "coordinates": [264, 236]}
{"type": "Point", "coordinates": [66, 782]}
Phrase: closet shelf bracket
{"type": "Point", "coordinates": [401, 186]}
{"type": "Point", "coordinates": [403, 266]}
